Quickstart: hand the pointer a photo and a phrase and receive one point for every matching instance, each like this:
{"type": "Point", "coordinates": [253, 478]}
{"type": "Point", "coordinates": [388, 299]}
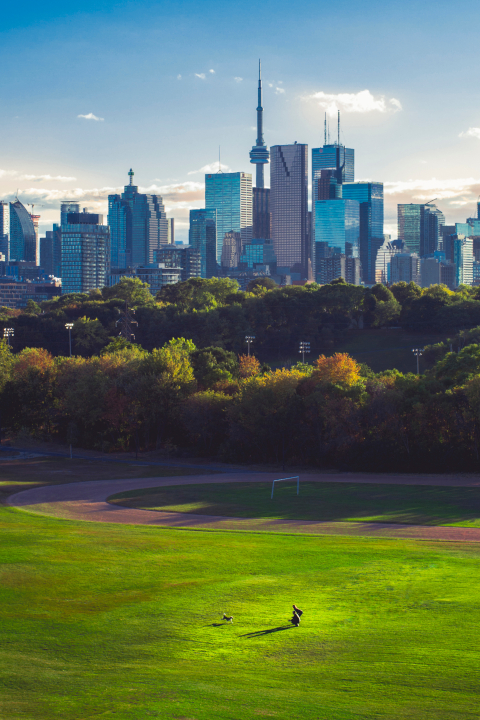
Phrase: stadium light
{"type": "Point", "coordinates": [7, 334]}
{"type": "Point", "coordinates": [304, 348]}
{"type": "Point", "coordinates": [249, 339]}
{"type": "Point", "coordinates": [418, 352]}
{"type": "Point", "coordinates": [69, 327]}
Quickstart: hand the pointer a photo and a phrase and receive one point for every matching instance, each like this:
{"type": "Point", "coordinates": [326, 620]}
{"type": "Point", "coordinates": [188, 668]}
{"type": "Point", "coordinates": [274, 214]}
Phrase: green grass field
{"type": "Point", "coordinates": [106, 621]}
{"type": "Point", "coordinates": [422, 504]}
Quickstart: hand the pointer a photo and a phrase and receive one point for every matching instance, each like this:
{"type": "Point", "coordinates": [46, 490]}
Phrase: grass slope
{"type": "Point", "coordinates": [100, 621]}
{"type": "Point", "coordinates": [421, 504]}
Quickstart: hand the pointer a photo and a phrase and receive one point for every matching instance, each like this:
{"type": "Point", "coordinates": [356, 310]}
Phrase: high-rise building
{"type": "Point", "coordinates": [463, 260]}
{"type": "Point", "coordinates": [203, 238]}
{"type": "Point", "coordinates": [370, 197]}
{"type": "Point", "coordinates": [231, 196]}
{"type": "Point", "coordinates": [419, 226]}
{"type": "Point", "coordinates": [383, 261]}
{"type": "Point", "coordinates": [185, 257]}
{"type": "Point", "coordinates": [289, 206]}
{"type": "Point", "coordinates": [337, 223]}
{"type": "Point", "coordinates": [259, 153]}
{"type": "Point", "coordinates": [405, 267]}
{"type": "Point", "coordinates": [138, 225]}
{"type": "Point", "coordinates": [23, 236]}
{"type": "Point", "coordinates": [261, 213]}
{"type": "Point", "coordinates": [5, 229]}
{"type": "Point", "coordinates": [259, 252]}
{"type": "Point", "coordinates": [85, 252]}
{"type": "Point", "coordinates": [66, 207]}
{"type": "Point", "coordinates": [231, 250]}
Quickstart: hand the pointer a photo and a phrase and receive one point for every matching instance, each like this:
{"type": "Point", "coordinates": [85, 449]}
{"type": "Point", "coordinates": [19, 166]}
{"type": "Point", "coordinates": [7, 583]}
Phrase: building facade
{"type": "Point", "coordinates": [405, 267]}
{"type": "Point", "coordinates": [289, 206]}
{"type": "Point", "coordinates": [85, 253]}
{"type": "Point", "coordinates": [230, 194]}
{"type": "Point", "coordinates": [203, 238]}
{"type": "Point", "coordinates": [337, 223]}
{"type": "Point", "coordinates": [261, 213]}
{"type": "Point", "coordinates": [383, 262]}
{"type": "Point", "coordinates": [420, 227]}
{"type": "Point", "coordinates": [231, 250]}
{"type": "Point", "coordinates": [369, 195]}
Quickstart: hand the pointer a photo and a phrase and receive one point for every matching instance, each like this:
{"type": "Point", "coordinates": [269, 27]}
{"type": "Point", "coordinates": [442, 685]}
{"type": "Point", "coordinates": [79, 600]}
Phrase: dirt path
{"type": "Point", "coordinates": [87, 501]}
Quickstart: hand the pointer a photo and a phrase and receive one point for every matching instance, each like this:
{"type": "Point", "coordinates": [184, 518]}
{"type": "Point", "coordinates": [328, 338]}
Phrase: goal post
{"type": "Point", "coordinates": [296, 477]}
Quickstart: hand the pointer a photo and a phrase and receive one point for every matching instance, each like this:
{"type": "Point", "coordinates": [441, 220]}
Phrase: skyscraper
{"type": "Point", "coordinates": [203, 237]}
{"type": "Point", "coordinates": [259, 153]}
{"type": "Point", "coordinates": [138, 225]}
{"type": "Point", "coordinates": [23, 238]}
{"type": "Point", "coordinates": [85, 252]}
{"type": "Point", "coordinates": [337, 223]}
{"type": "Point", "coordinates": [419, 226]}
{"type": "Point", "coordinates": [5, 229]}
{"type": "Point", "coordinates": [230, 194]}
{"type": "Point", "coordinates": [370, 197]}
{"type": "Point", "coordinates": [289, 206]}
{"type": "Point", "coordinates": [68, 206]}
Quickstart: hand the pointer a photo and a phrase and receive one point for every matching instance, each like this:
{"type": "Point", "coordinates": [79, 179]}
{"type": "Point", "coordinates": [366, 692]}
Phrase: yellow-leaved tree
{"type": "Point", "coordinates": [338, 368]}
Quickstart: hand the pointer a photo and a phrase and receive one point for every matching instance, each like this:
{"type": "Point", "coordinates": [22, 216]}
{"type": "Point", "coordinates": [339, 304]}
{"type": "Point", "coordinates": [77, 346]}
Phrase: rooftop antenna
{"type": "Point", "coordinates": [325, 130]}
{"type": "Point", "coordinates": [131, 174]}
{"type": "Point", "coordinates": [338, 132]}
{"type": "Point", "coordinates": [328, 130]}
{"type": "Point", "coordinates": [219, 163]}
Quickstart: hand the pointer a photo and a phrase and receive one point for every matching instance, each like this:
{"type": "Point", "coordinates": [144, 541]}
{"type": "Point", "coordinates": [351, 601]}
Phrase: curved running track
{"type": "Point", "coordinates": [88, 501]}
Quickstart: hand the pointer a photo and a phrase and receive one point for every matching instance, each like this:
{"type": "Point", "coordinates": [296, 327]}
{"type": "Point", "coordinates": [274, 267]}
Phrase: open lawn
{"type": "Point", "coordinates": [108, 621]}
{"type": "Point", "coordinates": [420, 504]}
{"type": "Point", "coordinates": [21, 474]}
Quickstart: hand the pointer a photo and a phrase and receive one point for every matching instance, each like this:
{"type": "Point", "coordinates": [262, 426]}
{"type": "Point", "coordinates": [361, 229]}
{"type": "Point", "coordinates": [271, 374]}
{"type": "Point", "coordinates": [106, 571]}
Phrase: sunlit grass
{"type": "Point", "coordinates": [100, 621]}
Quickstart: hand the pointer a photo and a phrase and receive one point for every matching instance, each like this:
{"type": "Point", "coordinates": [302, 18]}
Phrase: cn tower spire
{"type": "Point", "coordinates": [259, 154]}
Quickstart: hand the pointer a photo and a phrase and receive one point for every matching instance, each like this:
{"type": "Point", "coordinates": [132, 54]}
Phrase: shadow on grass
{"type": "Point", "coordinates": [221, 624]}
{"type": "Point", "coordinates": [267, 632]}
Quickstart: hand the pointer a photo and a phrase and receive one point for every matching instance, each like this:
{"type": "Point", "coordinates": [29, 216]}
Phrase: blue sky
{"type": "Point", "coordinates": [405, 76]}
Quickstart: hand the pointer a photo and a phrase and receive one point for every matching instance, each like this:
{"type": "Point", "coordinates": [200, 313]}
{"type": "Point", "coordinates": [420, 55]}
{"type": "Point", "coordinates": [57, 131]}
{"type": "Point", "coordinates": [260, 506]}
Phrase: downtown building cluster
{"type": "Point", "coordinates": [243, 232]}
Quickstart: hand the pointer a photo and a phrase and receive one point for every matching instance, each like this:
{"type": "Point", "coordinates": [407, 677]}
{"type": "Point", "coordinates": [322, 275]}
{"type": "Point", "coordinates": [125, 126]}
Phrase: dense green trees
{"type": "Point", "coordinates": [215, 313]}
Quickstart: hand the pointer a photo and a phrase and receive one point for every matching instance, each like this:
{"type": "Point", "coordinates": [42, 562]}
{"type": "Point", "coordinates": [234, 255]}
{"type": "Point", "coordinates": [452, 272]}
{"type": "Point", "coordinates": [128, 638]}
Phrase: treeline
{"type": "Point", "coordinates": [208, 401]}
{"type": "Point", "coordinates": [216, 313]}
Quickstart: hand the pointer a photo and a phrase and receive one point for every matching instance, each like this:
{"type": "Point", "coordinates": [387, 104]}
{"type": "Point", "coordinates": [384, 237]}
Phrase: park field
{"type": "Point", "coordinates": [119, 621]}
{"type": "Point", "coordinates": [320, 501]}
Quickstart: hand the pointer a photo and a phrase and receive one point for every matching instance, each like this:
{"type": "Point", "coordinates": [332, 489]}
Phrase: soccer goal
{"type": "Point", "coordinates": [297, 478]}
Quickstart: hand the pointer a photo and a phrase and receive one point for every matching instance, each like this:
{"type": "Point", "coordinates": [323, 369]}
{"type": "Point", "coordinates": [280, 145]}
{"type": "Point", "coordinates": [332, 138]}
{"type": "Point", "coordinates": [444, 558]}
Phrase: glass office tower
{"type": "Point", "coordinates": [66, 207]}
{"type": "Point", "coordinates": [333, 157]}
{"type": "Point", "coordinates": [419, 226]}
{"type": "Point", "coordinates": [289, 206]}
{"type": "Point", "coordinates": [85, 253]}
{"type": "Point", "coordinates": [138, 225]}
{"type": "Point", "coordinates": [231, 196]}
{"type": "Point", "coordinates": [337, 223]}
{"type": "Point", "coordinates": [23, 238]}
{"type": "Point", "coordinates": [203, 237]}
{"type": "Point", "coordinates": [370, 197]}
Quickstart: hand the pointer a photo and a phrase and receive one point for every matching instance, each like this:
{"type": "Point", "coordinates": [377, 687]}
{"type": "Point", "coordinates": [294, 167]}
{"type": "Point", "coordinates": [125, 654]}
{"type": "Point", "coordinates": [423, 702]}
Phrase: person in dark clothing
{"type": "Point", "coordinates": [297, 610]}
{"type": "Point", "coordinates": [295, 620]}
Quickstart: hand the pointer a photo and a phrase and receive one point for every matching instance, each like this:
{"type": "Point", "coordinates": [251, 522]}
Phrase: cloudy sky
{"type": "Point", "coordinates": [91, 89]}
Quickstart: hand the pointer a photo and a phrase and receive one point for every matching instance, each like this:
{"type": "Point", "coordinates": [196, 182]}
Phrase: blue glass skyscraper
{"type": "Point", "coordinates": [230, 194]}
{"type": "Point", "coordinates": [370, 197]}
{"type": "Point", "coordinates": [337, 223]}
{"type": "Point", "coordinates": [203, 237]}
{"type": "Point", "coordinates": [23, 238]}
{"type": "Point", "coordinates": [138, 225]}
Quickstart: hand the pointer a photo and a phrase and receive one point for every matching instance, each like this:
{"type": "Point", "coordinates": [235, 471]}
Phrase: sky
{"type": "Point", "coordinates": [90, 89]}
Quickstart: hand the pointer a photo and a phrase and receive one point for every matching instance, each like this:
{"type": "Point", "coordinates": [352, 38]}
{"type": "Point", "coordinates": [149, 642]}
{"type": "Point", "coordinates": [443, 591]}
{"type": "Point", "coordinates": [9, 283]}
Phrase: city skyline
{"type": "Point", "coordinates": [409, 117]}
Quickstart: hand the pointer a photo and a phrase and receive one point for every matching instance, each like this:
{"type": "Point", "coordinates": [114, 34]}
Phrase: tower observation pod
{"type": "Point", "coordinates": [259, 154]}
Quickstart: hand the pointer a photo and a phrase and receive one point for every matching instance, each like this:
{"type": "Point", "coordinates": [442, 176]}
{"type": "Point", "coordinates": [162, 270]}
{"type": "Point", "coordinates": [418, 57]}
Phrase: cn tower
{"type": "Point", "coordinates": [259, 154]}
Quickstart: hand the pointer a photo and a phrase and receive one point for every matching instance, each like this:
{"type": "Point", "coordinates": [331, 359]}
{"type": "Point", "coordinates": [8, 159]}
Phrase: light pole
{"type": "Point", "coordinates": [304, 348]}
{"type": "Point", "coordinates": [418, 352]}
{"type": "Point", "coordinates": [249, 339]}
{"type": "Point", "coordinates": [7, 334]}
{"type": "Point", "coordinates": [69, 327]}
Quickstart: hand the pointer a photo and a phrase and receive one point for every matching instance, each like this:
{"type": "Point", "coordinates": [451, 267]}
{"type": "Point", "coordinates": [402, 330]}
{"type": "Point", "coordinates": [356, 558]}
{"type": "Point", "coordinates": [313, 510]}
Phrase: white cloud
{"type": "Point", "coordinates": [361, 102]}
{"type": "Point", "coordinates": [212, 71]}
{"type": "Point", "coordinates": [211, 168]}
{"type": "Point", "coordinates": [36, 178]}
{"type": "Point", "coordinates": [279, 91]}
{"type": "Point", "coordinates": [423, 190]}
{"type": "Point", "coordinates": [200, 75]}
{"type": "Point", "coordinates": [238, 79]}
{"type": "Point", "coordinates": [179, 77]}
{"type": "Point", "coordinates": [270, 84]}
{"type": "Point", "coordinates": [471, 132]}
{"type": "Point", "coordinates": [91, 116]}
